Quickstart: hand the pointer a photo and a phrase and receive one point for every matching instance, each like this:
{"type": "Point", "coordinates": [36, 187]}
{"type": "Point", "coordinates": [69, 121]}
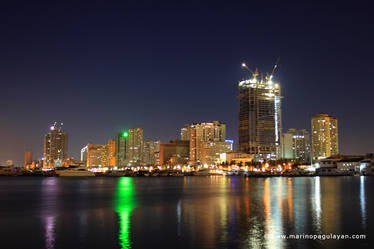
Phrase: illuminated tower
{"type": "Point", "coordinates": [55, 145]}
{"type": "Point", "coordinates": [324, 136]}
{"type": "Point", "coordinates": [260, 117]}
{"type": "Point", "coordinates": [130, 147]}
{"type": "Point", "coordinates": [135, 145]}
{"type": "Point", "coordinates": [122, 148]}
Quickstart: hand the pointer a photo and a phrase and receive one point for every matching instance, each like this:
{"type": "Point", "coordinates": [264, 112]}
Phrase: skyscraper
{"type": "Point", "coordinates": [295, 144]}
{"type": "Point", "coordinates": [130, 147]}
{"type": "Point", "coordinates": [204, 132]}
{"type": "Point", "coordinates": [122, 148]}
{"type": "Point", "coordinates": [55, 145]}
{"type": "Point", "coordinates": [135, 145]}
{"type": "Point", "coordinates": [260, 119]}
{"type": "Point", "coordinates": [324, 136]}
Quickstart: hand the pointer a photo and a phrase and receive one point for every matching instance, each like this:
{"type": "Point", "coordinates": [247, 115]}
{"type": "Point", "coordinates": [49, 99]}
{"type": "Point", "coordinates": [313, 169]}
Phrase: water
{"type": "Point", "coordinates": [183, 212]}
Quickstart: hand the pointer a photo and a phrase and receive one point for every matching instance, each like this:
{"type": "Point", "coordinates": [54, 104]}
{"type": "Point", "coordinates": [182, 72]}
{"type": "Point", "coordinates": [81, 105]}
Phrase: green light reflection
{"type": "Point", "coordinates": [124, 204]}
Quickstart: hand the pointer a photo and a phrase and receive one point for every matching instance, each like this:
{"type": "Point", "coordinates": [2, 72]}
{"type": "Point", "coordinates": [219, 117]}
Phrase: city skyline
{"type": "Point", "coordinates": [120, 76]}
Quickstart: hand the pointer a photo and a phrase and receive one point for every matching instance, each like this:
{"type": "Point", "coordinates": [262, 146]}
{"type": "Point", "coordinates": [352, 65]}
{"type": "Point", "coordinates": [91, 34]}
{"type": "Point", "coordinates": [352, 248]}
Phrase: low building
{"type": "Point", "coordinates": [342, 163]}
{"type": "Point", "coordinates": [211, 151]}
{"type": "Point", "coordinates": [235, 158]}
{"type": "Point", "coordinates": [174, 152]}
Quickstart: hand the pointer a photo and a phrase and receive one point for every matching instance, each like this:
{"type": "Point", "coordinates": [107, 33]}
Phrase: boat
{"type": "Point", "coordinates": [74, 171]}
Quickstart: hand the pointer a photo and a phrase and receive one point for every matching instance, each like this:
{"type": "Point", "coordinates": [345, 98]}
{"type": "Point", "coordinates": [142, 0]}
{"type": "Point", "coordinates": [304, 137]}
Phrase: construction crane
{"type": "Point", "coordinates": [255, 73]}
{"type": "Point", "coordinates": [275, 67]}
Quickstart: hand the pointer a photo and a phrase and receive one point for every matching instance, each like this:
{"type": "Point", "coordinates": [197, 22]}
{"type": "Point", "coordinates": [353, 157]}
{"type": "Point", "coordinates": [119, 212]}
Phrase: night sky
{"type": "Point", "coordinates": [104, 66]}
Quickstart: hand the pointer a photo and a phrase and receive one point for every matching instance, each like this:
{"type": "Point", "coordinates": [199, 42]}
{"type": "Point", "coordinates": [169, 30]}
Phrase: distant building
{"type": "Point", "coordinates": [174, 152]}
{"type": "Point", "coordinates": [28, 158]}
{"type": "Point", "coordinates": [295, 144]}
{"type": "Point", "coordinates": [112, 155]}
{"type": "Point", "coordinates": [97, 155]}
{"type": "Point", "coordinates": [84, 154]}
{"type": "Point", "coordinates": [324, 136]}
{"type": "Point", "coordinates": [129, 146]}
{"type": "Point", "coordinates": [151, 152]}
{"type": "Point", "coordinates": [55, 145]}
{"type": "Point", "coordinates": [9, 163]}
{"type": "Point", "coordinates": [204, 132]}
{"type": "Point", "coordinates": [260, 117]}
{"type": "Point", "coordinates": [185, 133]}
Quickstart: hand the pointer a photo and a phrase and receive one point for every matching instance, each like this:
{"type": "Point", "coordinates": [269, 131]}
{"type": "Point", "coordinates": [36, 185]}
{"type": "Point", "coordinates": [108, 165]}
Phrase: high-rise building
{"type": "Point", "coordinates": [55, 145]}
{"type": "Point", "coordinates": [324, 136]}
{"type": "Point", "coordinates": [129, 146]}
{"type": "Point", "coordinates": [185, 133]}
{"type": "Point", "coordinates": [204, 132]}
{"type": "Point", "coordinates": [97, 155]}
{"type": "Point", "coordinates": [28, 158]}
{"type": "Point", "coordinates": [84, 154]}
{"type": "Point", "coordinates": [135, 146]}
{"type": "Point", "coordinates": [151, 152]}
{"type": "Point", "coordinates": [112, 156]}
{"type": "Point", "coordinates": [295, 144]}
{"type": "Point", "coordinates": [174, 152]}
{"type": "Point", "coordinates": [122, 148]}
{"type": "Point", "coordinates": [260, 119]}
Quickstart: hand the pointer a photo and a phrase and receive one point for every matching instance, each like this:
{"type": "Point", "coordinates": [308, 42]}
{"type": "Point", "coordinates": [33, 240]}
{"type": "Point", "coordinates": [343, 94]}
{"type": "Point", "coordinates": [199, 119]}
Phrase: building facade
{"type": "Point", "coordinates": [97, 155]}
{"type": "Point", "coordinates": [151, 152]}
{"type": "Point", "coordinates": [55, 145]}
{"type": "Point", "coordinates": [112, 155]}
{"type": "Point", "coordinates": [185, 133]}
{"type": "Point", "coordinates": [324, 136]}
{"type": "Point", "coordinates": [204, 132]}
{"type": "Point", "coordinates": [130, 145]}
{"type": "Point", "coordinates": [211, 151]}
{"type": "Point", "coordinates": [174, 152]}
{"type": "Point", "coordinates": [260, 117]}
{"type": "Point", "coordinates": [295, 145]}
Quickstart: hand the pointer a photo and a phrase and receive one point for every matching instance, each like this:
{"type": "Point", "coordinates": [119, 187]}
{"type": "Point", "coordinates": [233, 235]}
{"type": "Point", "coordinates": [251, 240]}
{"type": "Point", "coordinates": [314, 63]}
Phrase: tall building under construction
{"type": "Point", "coordinates": [260, 117]}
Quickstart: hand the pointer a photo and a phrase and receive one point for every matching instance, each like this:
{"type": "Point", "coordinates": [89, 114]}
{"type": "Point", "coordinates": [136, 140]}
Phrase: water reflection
{"type": "Point", "coordinates": [317, 203]}
{"type": "Point", "coordinates": [362, 201]}
{"type": "Point", "coordinates": [49, 208]}
{"type": "Point", "coordinates": [124, 204]}
{"type": "Point", "coordinates": [273, 213]}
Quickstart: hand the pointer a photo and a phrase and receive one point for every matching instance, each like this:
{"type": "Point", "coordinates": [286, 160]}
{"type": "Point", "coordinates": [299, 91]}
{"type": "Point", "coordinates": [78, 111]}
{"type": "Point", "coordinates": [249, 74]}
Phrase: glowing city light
{"type": "Point", "coordinates": [124, 204]}
{"type": "Point", "coordinates": [125, 134]}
